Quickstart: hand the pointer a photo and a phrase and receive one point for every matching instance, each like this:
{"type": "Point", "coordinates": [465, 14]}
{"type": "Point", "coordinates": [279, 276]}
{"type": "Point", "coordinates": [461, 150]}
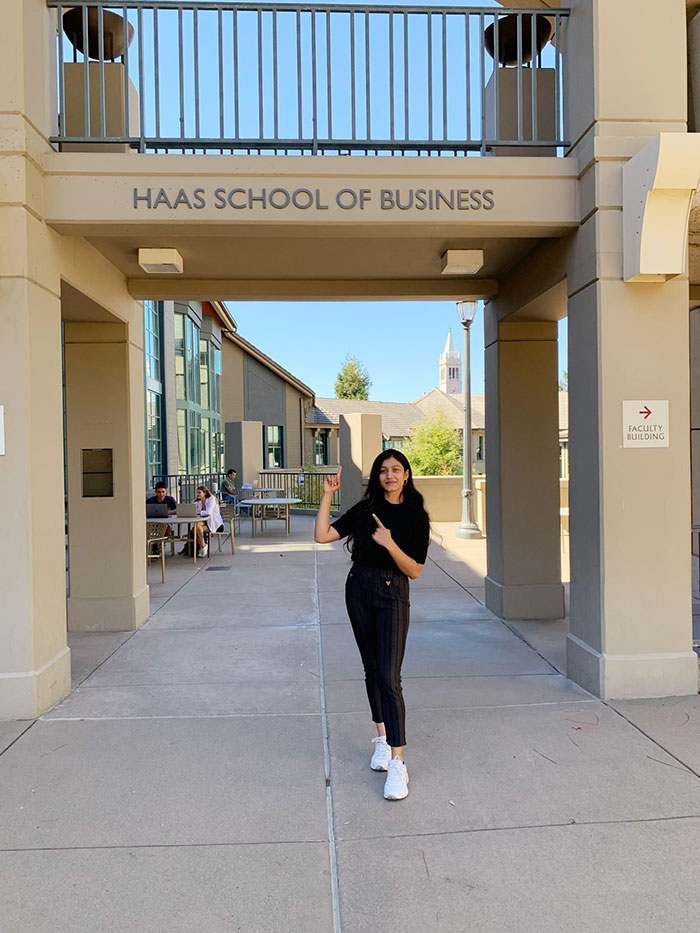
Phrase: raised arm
{"type": "Point", "coordinates": [323, 533]}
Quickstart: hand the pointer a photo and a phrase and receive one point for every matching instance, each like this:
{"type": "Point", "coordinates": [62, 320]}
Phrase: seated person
{"type": "Point", "coordinates": [162, 496]}
{"type": "Point", "coordinates": [210, 512]}
{"type": "Point", "coordinates": [228, 487]}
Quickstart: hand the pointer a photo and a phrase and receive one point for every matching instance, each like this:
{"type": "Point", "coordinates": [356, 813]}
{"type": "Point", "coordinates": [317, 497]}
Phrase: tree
{"type": "Point", "coordinates": [435, 448]}
{"type": "Point", "coordinates": [353, 380]}
{"type": "Point", "coordinates": [564, 381]}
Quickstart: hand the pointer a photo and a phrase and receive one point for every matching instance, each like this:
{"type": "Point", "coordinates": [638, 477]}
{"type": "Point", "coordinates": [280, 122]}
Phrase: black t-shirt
{"type": "Point", "coordinates": [410, 529]}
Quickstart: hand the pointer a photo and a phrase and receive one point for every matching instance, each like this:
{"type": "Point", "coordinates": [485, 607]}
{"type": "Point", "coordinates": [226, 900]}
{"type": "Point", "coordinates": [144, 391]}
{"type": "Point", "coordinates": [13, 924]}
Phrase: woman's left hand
{"type": "Point", "coordinates": [382, 535]}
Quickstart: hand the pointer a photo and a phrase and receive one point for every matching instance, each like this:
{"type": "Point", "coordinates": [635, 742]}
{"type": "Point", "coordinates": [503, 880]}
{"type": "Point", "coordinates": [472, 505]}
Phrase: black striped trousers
{"type": "Point", "coordinates": [378, 605]}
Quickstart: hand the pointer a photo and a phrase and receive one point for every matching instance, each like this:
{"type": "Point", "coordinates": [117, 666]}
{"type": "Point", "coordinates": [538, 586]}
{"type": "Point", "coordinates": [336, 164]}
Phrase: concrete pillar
{"type": "Point", "coordinates": [106, 520]}
{"type": "Point", "coordinates": [522, 527]}
{"type": "Point", "coordinates": [360, 442]}
{"type": "Point", "coordinates": [629, 507]}
{"type": "Point", "coordinates": [244, 452]}
{"type": "Point", "coordinates": [34, 658]}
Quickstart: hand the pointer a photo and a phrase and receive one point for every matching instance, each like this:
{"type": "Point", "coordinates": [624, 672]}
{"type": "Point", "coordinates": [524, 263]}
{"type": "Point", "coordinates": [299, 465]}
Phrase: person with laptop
{"type": "Point", "coordinates": [212, 519]}
{"type": "Point", "coordinates": [228, 487]}
{"type": "Point", "coordinates": [160, 498]}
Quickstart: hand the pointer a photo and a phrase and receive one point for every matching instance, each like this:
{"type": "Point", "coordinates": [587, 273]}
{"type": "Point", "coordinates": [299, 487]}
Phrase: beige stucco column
{"type": "Point", "coordinates": [522, 519]}
{"type": "Point", "coordinates": [360, 443]}
{"type": "Point", "coordinates": [34, 658]}
{"type": "Point", "coordinates": [628, 341]}
{"type": "Point", "coordinates": [106, 524]}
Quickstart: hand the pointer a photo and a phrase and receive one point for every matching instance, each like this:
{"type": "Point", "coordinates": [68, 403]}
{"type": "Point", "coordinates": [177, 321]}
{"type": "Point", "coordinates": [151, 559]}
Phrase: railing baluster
{"type": "Point", "coordinates": [430, 75]}
{"type": "Point", "coordinates": [314, 91]}
{"type": "Point", "coordinates": [61, 74]}
{"type": "Point", "coordinates": [467, 55]}
{"type": "Point", "coordinates": [300, 102]}
{"type": "Point", "coordinates": [181, 72]}
{"type": "Point", "coordinates": [195, 39]}
{"type": "Point", "coordinates": [406, 132]}
{"type": "Point", "coordinates": [156, 61]}
{"type": "Point", "coordinates": [520, 75]}
{"type": "Point", "coordinates": [142, 84]}
{"type": "Point", "coordinates": [496, 69]}
{"type": "Point", "coordinates": [275, 88]}
{"type": "Point", "coordinates": [444, 76]}
{"type": "Point", "coordinates": [236, 110]}
{"type": "Point", "coordinates": [353, 101]}
{"type": "Point", "coordinates": [222, 87]}
{"type": "Point", "coordinates": [86, 74]}
{"type": "Point", "coordinates": [260, 76]}
{"type": "Point", "coordinates": [368, 71]}
{"type": "Point", "coordinates": [127, 102]}
{"type": "Point", "coordinates": [329, 94]}
{"type": "Point", "coordinates": [101, 68]}
{"type": "Point", "coordinates": [391, 75]}
{"type": "Point", "coordinates": [533, 78]}
{"type": "Point", "coordinates": [482, 70]}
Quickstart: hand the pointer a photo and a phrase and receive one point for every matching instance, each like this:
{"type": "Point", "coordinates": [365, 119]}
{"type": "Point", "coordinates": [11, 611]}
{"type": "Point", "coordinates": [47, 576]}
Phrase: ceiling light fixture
{"type": "Point", "coordinates": [160, 261]}
{"type": "Point", "coordinates": [462, 261]}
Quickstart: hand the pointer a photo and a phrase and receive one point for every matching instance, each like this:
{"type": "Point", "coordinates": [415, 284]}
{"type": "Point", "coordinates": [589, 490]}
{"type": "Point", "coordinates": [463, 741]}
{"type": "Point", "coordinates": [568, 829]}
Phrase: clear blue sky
{"type": "Point", "coordinates": [399, 342]}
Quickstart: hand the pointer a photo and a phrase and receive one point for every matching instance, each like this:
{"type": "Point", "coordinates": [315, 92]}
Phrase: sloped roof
{"type": "Point", "coordinates": [398, 418]}
{"type": "Point", "coordinates": [453, 406]}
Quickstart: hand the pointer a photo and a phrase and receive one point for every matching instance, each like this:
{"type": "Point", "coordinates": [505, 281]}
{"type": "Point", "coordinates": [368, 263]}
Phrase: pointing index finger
{"type": "Point", "coordinates": [377, 520]}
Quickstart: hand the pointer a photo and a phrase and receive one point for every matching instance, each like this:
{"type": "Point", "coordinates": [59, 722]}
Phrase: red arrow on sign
{"type": "Point", "coordinates": [646, 411]}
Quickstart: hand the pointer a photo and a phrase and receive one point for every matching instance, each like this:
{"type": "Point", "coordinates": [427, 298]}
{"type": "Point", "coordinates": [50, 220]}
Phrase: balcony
{"type": "Point", "coordinates": [308, 79]}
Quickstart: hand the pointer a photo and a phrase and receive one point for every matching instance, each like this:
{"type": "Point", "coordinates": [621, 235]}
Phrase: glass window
{"type": "Point", "coordinates": [181, 440]}
{"type": "Point", "coordinates": [273, 447]}
{"type": "Point", "coordinates": [180, 356]}
{"type": "Point", "coordinates": [204, 374]}
{"type": "Point", "coordinates": [205, 447]}
{"type": "Point", "coordinates": [152, 314]}
{"type": "Point", "coordinates": [321, 449]}
{"type": "Point", "coordinates": [154, 436]}
{"type": "Point", "coordinates": [480, 447]}
{"type": "Point", "coordinates": [194, 424]}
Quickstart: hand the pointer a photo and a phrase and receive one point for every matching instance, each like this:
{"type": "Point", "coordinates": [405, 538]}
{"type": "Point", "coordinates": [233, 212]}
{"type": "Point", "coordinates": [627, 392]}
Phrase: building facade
{"type": "Point", "coordinates": [572, 186]}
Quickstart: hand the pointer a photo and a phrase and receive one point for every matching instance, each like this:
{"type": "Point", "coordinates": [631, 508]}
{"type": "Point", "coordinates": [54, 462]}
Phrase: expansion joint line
{"type": "Point", "coordinates": [332, 849]}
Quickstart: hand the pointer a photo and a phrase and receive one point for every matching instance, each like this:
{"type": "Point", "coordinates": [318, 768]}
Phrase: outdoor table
{"type": "Point", "coordinates": [177, 520]}
{"type": "Point", "coordinates": [257, 507]}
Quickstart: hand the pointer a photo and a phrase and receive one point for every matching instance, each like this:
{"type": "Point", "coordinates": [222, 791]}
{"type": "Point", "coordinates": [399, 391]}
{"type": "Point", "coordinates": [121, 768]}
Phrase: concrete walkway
{"type": "Point", "coordinates": [210, 771]}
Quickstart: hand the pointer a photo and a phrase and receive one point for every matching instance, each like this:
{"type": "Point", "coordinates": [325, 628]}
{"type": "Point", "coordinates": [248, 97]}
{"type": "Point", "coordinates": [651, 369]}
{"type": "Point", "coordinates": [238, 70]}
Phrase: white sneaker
{"type": "Point", "coordinates": [203, 551]}
{"type": "Point", "coordinates": [396, 787]}
{"type": "Point", "coordinates": [382, 754]}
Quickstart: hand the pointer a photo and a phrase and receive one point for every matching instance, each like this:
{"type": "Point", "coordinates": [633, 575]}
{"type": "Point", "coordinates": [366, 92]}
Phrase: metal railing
{"type": "Point", "coordinates": [183, 486]}
{"type": "Point", "coordinates": [308, 78]}
{"type": "Point", "coordinates": [299, 484]}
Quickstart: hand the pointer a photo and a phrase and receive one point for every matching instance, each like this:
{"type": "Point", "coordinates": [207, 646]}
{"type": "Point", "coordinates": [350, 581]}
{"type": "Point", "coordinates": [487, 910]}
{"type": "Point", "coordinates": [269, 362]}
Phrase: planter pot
{"type": "Point", "coordinates": [113, 32]}
{"type": "Point", "coordinates": [508, 38]}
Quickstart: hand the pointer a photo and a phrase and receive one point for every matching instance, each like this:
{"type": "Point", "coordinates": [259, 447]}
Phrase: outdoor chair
{"type": "Point", "coordinates": [228, 514]}
{"type": "Point", "coordinates": [155, 545]}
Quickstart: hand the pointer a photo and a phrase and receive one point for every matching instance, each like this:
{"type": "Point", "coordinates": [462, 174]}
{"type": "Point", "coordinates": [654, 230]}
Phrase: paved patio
{"type": "Point", "coordinates": [210, 771]}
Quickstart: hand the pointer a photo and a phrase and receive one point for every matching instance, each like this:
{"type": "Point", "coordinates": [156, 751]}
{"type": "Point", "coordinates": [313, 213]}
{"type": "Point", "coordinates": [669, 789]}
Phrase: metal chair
{"type": "Point", "coordinates": [228, 514]}
{"type": "Point", "coordinates": [155, 545]}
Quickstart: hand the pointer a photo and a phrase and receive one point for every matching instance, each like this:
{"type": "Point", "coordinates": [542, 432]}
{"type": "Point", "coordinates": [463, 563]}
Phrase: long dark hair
{"type": "Point", "coordinates": [373, 497]}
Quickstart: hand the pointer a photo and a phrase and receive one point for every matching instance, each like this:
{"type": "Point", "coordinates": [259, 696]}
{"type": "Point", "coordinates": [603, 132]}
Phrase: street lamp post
{"type": "Point", "coordinates": [467, 527]}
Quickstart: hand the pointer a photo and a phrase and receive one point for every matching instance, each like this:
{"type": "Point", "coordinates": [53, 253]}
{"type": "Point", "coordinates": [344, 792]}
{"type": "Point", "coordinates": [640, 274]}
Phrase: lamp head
{"type": "Point", "coordinates": [466, 311]}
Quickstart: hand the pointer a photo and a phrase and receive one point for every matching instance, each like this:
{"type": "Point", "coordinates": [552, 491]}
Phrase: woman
{"type": "Point", "coordinates": [210, 511]}
{"type": "Point", "coordinates": [388, 534]}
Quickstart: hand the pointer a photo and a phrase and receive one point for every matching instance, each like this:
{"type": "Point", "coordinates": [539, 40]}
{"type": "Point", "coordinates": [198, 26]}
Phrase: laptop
{"type": "Point", "coordinates": [188, 509]}
{"type": "Point", "coordinates": [156, 510]}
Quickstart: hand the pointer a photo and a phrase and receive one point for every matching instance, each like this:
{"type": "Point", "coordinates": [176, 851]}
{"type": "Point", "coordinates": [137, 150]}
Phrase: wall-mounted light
{"type": "Point", "coordinates": [462, 261]}
{"type": "Point", "coordinates": [160, 261]}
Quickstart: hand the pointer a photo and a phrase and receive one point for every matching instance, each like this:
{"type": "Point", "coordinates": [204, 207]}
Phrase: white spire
{"type": "Point", "coordinates": [450, 368]}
